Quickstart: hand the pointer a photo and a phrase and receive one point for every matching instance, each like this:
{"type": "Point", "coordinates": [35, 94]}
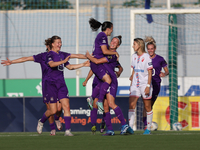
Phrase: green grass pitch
{"type": "Point", "coordinates": [158, 140]}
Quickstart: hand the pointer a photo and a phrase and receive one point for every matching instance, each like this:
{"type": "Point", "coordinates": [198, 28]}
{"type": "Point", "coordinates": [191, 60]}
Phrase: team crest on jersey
{"type": "Point", "coordinates": [135, 58]}
{"type": "Point", "coordinates": [109, 57]}
{"type": "Point", "coordinates": [142, 59]}
{"type": "Point", "coordinates": [51, 99]}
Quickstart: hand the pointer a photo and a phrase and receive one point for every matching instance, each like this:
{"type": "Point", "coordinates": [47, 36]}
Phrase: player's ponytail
{"type": "Point", "coordinates": [95, 25]}
{"type": "Point", "coordinates": [150, 40]}
{"type": "Point", "coordinates": [47, 42]}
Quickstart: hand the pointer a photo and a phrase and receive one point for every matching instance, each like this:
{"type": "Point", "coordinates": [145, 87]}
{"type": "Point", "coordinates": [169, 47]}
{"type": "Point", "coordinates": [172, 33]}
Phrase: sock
{"type": "Point", "coordinates": [95, 91]}
{"type": "Point", "coordinates": [119, 114]}
{"type": "Point", "coordinates": [103, 91]}
{"type": "Point", "coordinates": [131, 117]}
{"type": "Point", "coordinates": [56, 117]}
{"type": "Point", "coordinates": [104, 114]}
{"type": "Point", "coordinates": [107, 119]}
{"type": "Point", "coordinates": [149, 119]}
{"type": "Point", "coordinates": [93, 116]}
{"type": "Point", "coordinates": [52, 126]}
{"type": "Point", "coordinates": [67, 120]}
{"type": "Point", "coordinates": [44, 118]}
{"type": "Point", "coordinates": [145, 121]}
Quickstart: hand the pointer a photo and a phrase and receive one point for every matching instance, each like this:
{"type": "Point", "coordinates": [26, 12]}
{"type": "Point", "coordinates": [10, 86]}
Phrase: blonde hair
{"type": "Point", "coordinates": [150, 40]}
{"type": "Point", "coordinates": [141, 43]}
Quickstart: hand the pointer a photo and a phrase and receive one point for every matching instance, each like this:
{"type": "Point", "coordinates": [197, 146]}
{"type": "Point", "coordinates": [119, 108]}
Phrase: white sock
{"type": "Point", "coordinates": [131, 117]}
{"type": "Point", "coordinates": [149, 119]}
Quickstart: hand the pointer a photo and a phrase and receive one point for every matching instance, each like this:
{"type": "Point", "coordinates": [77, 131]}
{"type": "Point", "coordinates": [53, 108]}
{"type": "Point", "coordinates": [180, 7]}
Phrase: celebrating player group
{"type": "Point", "coordinates": [145, 80]}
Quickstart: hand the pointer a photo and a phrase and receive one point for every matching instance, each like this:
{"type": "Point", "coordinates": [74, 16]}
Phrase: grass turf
{"type": "Point", "coordinates": [158, 140]}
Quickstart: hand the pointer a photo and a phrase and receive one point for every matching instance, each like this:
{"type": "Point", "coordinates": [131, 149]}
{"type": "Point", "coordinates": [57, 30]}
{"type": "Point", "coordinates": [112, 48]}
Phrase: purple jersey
{"type": "Point", "coordinates": [100, 40]}
{"type": "Point", "coordinates": [56, 73]}
{"type": "Point", "coordinates": [158, 63]}
{"type": "Point", "coordinates": [41, 58]}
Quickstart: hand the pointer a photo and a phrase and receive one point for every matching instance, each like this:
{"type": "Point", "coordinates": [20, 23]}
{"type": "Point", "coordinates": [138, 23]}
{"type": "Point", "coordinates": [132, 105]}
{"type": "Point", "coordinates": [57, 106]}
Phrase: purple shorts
{"type": "Point", "coordinates": [99, 70]}
{"type": "Point", "coordinates": [56, 91]}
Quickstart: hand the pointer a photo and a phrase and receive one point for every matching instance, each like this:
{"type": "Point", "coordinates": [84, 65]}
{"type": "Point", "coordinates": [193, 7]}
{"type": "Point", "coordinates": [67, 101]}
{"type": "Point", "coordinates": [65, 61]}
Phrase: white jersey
{"type": "Point", "coordinates": [141, 65]}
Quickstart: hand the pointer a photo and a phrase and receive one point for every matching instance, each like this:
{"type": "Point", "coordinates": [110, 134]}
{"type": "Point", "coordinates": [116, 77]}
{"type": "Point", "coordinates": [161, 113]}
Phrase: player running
{"type": "Point", "coordinates": [40, 58]}
{"type": "Point", "coordinates": [140, 82]}
{"type": "Point", "coordinates": [55, 85]}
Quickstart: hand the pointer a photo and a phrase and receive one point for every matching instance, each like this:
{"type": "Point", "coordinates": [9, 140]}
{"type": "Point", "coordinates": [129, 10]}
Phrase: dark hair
{"type": "Point", "coordinates": [49, 41]}
{"type": "Point", "coordinates": [119, 37]}
{"type": "Point", "coordinates": [95, 25]}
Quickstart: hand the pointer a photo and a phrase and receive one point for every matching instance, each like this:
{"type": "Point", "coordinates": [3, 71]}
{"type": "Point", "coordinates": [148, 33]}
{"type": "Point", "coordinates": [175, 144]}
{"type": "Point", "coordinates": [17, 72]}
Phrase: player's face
{"type": "Point", "coordinates": [136, 47]}
{"type": "Point", "coordinates": [110, 30]}
{"type": "Point", "coordinates": [56, 45]}
{"type": "Point", "coordinates": [114, 44]}
{"type": "Point", "coordinates": [151, 50]}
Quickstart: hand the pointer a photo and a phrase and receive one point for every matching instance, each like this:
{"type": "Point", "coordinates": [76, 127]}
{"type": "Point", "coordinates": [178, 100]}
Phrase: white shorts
{"type": "Point", "coordinates": [139, 91]}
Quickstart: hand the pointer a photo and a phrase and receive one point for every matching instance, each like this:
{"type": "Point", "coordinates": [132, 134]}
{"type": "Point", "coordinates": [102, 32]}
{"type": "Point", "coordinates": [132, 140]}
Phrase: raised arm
{"type": "Point", "coordinates": [76, 66]}
{"type": "Point", "coordinates": [19, 60]}
{"type": "Point", "coordinates": [80, 56]}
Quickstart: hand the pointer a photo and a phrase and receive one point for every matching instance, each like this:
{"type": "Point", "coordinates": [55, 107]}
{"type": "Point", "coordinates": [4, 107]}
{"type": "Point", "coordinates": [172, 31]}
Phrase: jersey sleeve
{"type": "Point", "coordinates": [118, 64]}
{"type": "Point", "coordinates": [102, 41]}
{"type": "Point", "coordinates": [37, 58]}
{"type": "Point", "coordinates": [149, 63]}
{"type": "Point", "coordinates": [49, 58]}
{"type": "Point", "coordinates": [163, 63]}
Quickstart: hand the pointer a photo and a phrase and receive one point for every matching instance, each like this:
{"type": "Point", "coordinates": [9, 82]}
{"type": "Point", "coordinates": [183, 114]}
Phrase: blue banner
{"type": "Point", "coordinates": [22, 114]}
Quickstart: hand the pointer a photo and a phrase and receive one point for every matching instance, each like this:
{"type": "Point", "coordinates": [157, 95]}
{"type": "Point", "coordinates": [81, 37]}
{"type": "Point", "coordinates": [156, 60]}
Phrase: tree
{"type": "Point", "coordinates": [9, 4]}
{"type": "Point", "coordinates": [178, 5]}
{"type": "Point", "coordinates": [34, 4]}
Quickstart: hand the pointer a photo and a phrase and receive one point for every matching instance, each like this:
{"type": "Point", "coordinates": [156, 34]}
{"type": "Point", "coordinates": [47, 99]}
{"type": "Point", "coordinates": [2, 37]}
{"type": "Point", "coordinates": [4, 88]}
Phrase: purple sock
{"type": "Point", "coordinates": [44, 118]}
{"type": "Point", "coordinates": [93, 117]}
{"type": "Point", "coordinates": [52, 125]}
{"type": "Point", "coordinates": [103, 91]}
{"type": "Point", "coordinates": [95, 91]}
{"type": "Point", "coordinates": [107, 119]}
{"type": "Point", "coordinates": [67, 120]}
{"type": "Point", "coordinates": [56, 117]}
{"type": "Point", "coordinates": [145, 121]}
{"type": "Point", "coordinates": [119, 114]}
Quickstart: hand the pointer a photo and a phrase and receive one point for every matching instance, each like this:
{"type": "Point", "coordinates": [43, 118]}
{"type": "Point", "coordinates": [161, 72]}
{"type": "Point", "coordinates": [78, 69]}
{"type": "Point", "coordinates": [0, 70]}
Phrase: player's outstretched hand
{"type": "Point", "coordinates": [6, 62]}
{"type": "Point", "coordinates": [86, 63]}
{"type": "Point", "coordinates": [66, 59]}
